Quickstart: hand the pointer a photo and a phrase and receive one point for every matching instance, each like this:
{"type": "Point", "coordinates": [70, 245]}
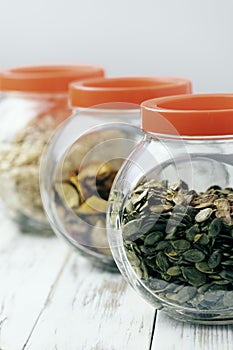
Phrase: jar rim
{"type": "Point", "coordinates": [134, 89]}
{"type": "Point", "coordinates": [46, 78]}
{"type": "Point", "coordinates": [189, 115]}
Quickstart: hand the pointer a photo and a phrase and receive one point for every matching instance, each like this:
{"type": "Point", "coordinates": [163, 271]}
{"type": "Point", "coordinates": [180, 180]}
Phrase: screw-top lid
{"type": "Point", "coordinates": [189, 115]}
{"type": "Point", "coordinates": [46, 79]}
{"type": "Point", "coordinates": [125, 89]}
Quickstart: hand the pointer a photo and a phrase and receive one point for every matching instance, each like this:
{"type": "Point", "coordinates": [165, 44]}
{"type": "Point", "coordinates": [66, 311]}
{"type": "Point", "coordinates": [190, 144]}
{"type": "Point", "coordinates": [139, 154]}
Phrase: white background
{"type": "Point", "coordinates": [190, 38]}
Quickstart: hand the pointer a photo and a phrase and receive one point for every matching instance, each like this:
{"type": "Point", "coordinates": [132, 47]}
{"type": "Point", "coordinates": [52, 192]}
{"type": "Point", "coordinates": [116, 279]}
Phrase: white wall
{"type": "Point", "coordinates": [191, 38]}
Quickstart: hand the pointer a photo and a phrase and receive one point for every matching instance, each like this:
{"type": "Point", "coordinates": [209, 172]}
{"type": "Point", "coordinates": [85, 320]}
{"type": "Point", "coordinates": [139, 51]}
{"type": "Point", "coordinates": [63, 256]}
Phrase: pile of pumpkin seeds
{"type": "Point", "coordinates": [180, 242]}
{"type": "Point", "coordinates": [81, 203]}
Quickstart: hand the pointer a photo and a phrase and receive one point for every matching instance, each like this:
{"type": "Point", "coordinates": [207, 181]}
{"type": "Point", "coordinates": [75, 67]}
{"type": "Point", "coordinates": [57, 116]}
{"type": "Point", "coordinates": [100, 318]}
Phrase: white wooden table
{"type": "Point", "coordinates": [51, 298]}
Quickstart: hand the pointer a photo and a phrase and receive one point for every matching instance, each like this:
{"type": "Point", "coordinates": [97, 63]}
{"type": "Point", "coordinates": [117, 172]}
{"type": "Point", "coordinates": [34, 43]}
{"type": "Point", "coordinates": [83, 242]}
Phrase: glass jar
{"type": "Point", "coordinates": [34, 101]}
{"type": "Point", "coordinates": [170, 214]}
{"type": "Point", "coordinates": [84, 155]}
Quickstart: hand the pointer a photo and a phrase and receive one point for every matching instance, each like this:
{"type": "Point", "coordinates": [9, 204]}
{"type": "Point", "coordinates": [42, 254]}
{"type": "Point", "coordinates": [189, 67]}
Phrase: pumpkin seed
{"type": "Point", "coordinates": [180, 245]}
{"type": "Point", "coordinates": [174, 271]}
{"type": "Point", "coordinates": [183, 241]}
{"type": "Point", "coordinates": [153, 237]}
{"type": "Point", "coordinates": [193, 276]}
{"type": "Point", "coordinates": [227, 274]}
{"type": "Point", "coordinates": [203, 215]}
{"type": "Point", "coordinates": [214, 259]}
{"type": "Point", "coordinates": [191, 232]}
{"type": "Point", "coordinates": [203, 267]}
{"type": "Point", "coordinates": [215, 228]}
{"type": "Point", "coordinates": [162, 261]}
{"type": "Point", "coordinates": [194, 255]}
{"type": "Point", "coordinates": [68, 194]}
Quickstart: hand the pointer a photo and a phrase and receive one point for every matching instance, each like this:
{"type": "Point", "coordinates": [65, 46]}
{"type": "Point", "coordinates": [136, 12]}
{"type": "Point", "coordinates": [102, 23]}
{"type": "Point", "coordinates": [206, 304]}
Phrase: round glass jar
{"type": "Point", "coordinates": [84, 155]}
{"type": "Point", "coordinates": [34, 101]}
{"type": "Point", "coordinates": [170, 214]}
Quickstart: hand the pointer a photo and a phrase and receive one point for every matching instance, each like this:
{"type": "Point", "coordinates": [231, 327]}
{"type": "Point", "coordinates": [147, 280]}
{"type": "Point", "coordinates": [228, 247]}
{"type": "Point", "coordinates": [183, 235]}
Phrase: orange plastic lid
{"type": "Point", "coordinates": [189, 115]}
{"type": "Point", "coordinates": [49, 78]}
{"type": "Point", "coordinates": [133, 90]}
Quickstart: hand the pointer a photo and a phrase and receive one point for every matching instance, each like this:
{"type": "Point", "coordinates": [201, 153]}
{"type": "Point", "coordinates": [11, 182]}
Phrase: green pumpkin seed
{"type": "Point", "coordinates": [181, 245]}
{"type": "Point", "coordinates": [133, 259]}
{"type": "Point", "coordinates": [194, 255]}
{"type": "Point", "coordinates": [201, 238]}
{"type": "Point", "coordinates": [172, 255]}
{"type": "Point", "coordinates": [162, 261]}
{"type": "Point", "coordinates": [221, 282]}
{"type": "Point", "coordinates": [215, 228]}
{"type": "Point", "coordinates": [203, 267]}
{"type": "Point", "coordinates": [162, 245]}
{"type": "Point", "coordinates": [214, 259]}
{"type": "Point", "coordinates": [228, 262]}
{"type": "Point", "coordinates": [192, 232]}
{"type": "Point", "coordinates": [166, 277]}
{"type": "Point", "coordinates": [174, 271]}
{"type": "Point", "coordinates": [193, 276]}
{"type": "Point", "coordinates": [215, 277]}
{"type": "Point", "coordinates": [153, 237]}
{"type": "Point", "coordinates": [227, 274]}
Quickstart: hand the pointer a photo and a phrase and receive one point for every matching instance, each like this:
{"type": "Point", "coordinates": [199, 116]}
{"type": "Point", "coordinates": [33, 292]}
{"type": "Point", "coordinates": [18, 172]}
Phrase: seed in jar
{"type": "Point", "coordinates": [203, 215]}
{"type": "Point", "coordinates": [85, 191]}
{"type": "Point", "coordinates": [19, 168]}
{"type": "Point", "coordinates": [92, 205]}
{"type": "Point", "coordinates": [68, 193]}
{"type": "Point", "coordinates": [186, 242]}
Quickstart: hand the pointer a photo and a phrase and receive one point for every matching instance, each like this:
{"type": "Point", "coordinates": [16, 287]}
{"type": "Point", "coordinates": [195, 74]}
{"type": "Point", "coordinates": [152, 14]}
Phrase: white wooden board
{"type": "Point", "coordinates": [175, 335]}
{"type": "Point", "coordinates": [92, 309]}
{"type": "Point", "coordinates": [29, 267]}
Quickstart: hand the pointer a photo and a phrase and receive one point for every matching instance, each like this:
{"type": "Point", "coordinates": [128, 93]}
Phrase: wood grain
{"type": "Point", "coordinates": [175, 335]}
{"type": "Point", "coordinates": [92, 309]}
{"type": "Point", "coordinates": [29, 267]}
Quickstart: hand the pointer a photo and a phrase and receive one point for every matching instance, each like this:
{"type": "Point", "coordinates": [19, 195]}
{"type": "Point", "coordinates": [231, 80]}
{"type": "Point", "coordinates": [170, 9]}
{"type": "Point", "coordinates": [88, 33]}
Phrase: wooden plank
{"type": "Point", "coordinates": [29, 266]}
{"type": "Point", "coordinates": [92, 309]}
{"type": "Point", "coordinates": [175, 335]}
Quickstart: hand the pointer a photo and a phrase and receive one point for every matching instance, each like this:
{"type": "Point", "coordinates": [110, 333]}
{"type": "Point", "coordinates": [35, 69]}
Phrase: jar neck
{"type": "Point", "coordinates": [198, 138]}
{"type": "Point", "coordinates": [130, 116]}
{"type": "Point", "coordinates": [61, 96]}
{"type": "Point", "coordinates": [106, 111]}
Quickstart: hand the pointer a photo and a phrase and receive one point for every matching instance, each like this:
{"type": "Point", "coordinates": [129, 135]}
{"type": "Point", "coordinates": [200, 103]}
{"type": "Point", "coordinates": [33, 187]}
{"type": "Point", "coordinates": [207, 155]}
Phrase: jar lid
{"type": "Point", "coordinates": [48, 78]}
{"type": "Point", "coordinates": [189, 115]}
{"type": "Point", "coordinates": [133, 90]}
